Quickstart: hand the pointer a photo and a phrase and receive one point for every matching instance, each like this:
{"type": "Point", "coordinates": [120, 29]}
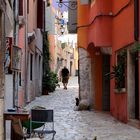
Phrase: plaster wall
{"type": "Point", "coordinates": [122, 36]}
{"type": "Point", "coordinates": [51, 38]}
{"type": "Point", "coordinates": [84, 73]}
{"type": "Point", "coordinates": [21, 89]}
{"type": "Point", "coordinates": [122, 30]}
{"type": "Point", "coordinates": [32, 16]}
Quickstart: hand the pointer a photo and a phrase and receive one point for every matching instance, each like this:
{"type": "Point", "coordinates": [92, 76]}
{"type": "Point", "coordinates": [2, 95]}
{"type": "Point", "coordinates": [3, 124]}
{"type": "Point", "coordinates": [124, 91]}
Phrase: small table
{"type": "Point", "coordinates": [23, 116]}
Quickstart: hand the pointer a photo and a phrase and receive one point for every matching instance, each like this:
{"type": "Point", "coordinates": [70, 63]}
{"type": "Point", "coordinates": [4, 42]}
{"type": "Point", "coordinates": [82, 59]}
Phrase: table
{"type": "Point", "coordinates": [23, 116]}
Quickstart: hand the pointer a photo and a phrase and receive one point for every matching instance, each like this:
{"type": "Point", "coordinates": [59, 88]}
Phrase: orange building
{"type": "Point", "coordinates": [107, 31]}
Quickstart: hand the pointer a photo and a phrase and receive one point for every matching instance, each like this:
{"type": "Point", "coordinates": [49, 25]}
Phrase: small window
{"type": "Point", "coordinates": [121, 69]}
{"type": "Point", "coordinates": [28, 6]}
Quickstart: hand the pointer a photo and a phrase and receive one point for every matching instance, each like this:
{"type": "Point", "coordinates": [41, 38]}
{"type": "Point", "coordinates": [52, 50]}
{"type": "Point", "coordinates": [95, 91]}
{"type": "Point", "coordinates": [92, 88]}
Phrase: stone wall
{"type": "Point", "coordinates": [84, 79]}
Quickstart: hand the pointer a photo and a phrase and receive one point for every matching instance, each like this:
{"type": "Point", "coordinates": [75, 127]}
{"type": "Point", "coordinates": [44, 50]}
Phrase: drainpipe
{"type": "Point", "coordinates": [136, 35]}
{"type": "Point", "coordinates": [136, 20]}
{"type": "Point", "coordinates": [16, 28]}
{"type": "Point", "coordinates": [15, 73]}
{"type": "Point", "coordinates": [26, 51]}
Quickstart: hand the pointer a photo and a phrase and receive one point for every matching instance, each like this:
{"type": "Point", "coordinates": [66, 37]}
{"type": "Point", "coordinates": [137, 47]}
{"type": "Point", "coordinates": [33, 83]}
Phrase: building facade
{"type": "Point", "coordinates": [109, 31]}
{"type": "Point", "coordinates": [61, 46]}
{"type": "Point", "coordinates": [6, 28]}
{"type": "Point", "coordinates": [30, 40]}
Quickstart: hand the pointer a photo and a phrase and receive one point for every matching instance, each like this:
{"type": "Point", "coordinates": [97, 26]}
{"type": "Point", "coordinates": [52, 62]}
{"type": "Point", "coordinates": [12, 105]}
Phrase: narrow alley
{"type": "Point", "coordinates": [81, 125]}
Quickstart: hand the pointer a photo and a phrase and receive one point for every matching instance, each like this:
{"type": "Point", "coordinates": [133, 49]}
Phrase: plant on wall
{"type": "Point", "coordinates": [118, 71]}
{"type": "Point", "coordinates": [135, 47]}
{"type": "Point", "coordinates": [49, 80]}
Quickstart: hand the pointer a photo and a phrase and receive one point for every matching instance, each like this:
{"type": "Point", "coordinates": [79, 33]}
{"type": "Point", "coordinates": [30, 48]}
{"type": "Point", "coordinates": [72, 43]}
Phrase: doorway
{"type": "Point", "coordinates": [106, 83]}
{"type": "Point", "coordinates": [136, 87]}
{"type": "Point", "coordinates": [133, 86]}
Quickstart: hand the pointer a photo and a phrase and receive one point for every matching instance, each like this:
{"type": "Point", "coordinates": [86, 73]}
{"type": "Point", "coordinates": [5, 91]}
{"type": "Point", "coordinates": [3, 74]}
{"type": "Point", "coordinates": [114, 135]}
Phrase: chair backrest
{"type": "Point", "coordinates": [42, 115]}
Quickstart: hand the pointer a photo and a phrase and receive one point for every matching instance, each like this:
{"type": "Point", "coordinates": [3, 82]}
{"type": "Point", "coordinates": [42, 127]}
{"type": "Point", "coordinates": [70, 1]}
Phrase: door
{"type": "Point", "coordinates": [136, 88]}
{"type": "Point", "coordinates": [106, 83]}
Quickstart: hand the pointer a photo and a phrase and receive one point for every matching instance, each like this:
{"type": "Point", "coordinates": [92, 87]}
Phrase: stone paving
{"type": "Point", "coordinates": [82, 125]}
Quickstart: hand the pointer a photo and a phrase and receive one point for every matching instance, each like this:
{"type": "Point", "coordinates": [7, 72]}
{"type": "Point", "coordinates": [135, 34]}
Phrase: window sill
{"type": "Point", "coordinates": [122, 90]}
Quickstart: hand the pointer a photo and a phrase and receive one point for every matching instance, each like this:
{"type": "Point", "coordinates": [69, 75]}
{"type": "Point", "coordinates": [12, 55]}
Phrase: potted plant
{"type": "Point", "coordinates": [118, 72]}
{"type": "Point", "coordinates": [49, 82]}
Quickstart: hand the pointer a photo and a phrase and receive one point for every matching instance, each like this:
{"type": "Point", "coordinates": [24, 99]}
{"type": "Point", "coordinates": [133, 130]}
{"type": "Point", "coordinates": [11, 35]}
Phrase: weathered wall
{"type": "Point", "coordinates": [2, 75]}
{"type": "Point", "coordinates": [84, 73]}
{"type": "Point", "coordinates": [106, 24]}
{"type": "Point", "coordinates": [122, 36]}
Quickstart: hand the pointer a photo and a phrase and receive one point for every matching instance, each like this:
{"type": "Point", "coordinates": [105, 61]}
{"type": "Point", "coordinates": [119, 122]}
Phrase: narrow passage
{"type": "Point", "coordinates": [81, 125]}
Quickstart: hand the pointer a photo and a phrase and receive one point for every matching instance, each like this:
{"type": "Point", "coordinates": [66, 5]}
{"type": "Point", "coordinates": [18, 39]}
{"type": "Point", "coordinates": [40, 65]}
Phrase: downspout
{"type": "Point", "coordinates": [136, 20]}
{"type": "Point", "coordinates": [15, 73]}
{"type": "Point", "coordinates": [16, 23]}
{"type": "Point", "coordinates": [26, 51]}
{"type": "Point", "coordinates": [136, 37]}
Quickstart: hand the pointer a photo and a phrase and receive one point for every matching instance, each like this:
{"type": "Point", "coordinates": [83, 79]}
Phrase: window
{"type": "Point", "coordinates": [121, 68]}
{"type": "Point", "coordinates": [28, 6]}
{"type": "Point", "coordinates": [20, 7]}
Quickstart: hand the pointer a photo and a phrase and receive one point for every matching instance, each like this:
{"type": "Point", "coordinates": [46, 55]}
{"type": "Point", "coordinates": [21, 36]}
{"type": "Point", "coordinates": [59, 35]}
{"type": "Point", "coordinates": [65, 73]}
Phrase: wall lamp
{"type": "Point", "coordinates": [71, 4]}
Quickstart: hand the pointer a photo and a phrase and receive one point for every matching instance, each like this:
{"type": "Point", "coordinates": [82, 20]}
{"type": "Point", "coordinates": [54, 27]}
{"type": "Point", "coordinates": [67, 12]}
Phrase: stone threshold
{"type": "Point", "coordinates": [134, 122]}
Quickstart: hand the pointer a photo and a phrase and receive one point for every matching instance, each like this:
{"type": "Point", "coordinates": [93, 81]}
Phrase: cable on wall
{"type": "Point", "coordinates": [107, 15]}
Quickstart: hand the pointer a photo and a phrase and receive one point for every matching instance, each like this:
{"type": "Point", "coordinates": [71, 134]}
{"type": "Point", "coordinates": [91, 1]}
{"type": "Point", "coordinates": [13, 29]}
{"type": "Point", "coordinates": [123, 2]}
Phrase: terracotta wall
{"type": "Point", "coordinates": [100, 23]}
{"type": "Point", "coordinates": [96, 73]}
{"type": "Point", "coordinates": [82, 32]}
{"type": "Point", "coordinates": [52, 51]}
{"type": "Point", "coordinates": [21, 93]}
{"type": "Point", "coordinates": [32, 16]}
{"type": "Point", "coordinates": [122, 36]}
{"type": "Point", "coordinates": [123, 24]}
{"type": "Point", "coordinates": [96, 24]}
{"type": "Point", "coordinates": [107, 24]}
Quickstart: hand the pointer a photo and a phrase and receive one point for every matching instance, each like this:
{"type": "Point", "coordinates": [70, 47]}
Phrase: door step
{"type": "Point", "coordinates": [134, 123]}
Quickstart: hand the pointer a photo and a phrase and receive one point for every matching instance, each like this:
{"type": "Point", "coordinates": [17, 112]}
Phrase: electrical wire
{"type": "Point", "coordinates": [107, 15]}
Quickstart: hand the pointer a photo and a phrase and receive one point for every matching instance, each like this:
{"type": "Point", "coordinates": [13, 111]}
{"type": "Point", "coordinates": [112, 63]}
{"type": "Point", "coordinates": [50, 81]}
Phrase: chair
{"type": "Point", "coordinates": [44, 117]}
{"type": "Point", "coordinates": [18, 130]}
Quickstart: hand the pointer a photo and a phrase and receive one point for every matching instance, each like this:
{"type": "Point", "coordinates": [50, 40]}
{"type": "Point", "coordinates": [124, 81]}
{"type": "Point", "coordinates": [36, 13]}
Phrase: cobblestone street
{"type": "Point", "coordinates": [82, 125]}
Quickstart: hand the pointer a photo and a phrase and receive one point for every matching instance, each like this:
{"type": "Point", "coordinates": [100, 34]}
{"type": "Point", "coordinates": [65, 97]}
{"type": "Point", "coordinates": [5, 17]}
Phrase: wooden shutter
{"type": "Point", "coordinates": [20, 7]}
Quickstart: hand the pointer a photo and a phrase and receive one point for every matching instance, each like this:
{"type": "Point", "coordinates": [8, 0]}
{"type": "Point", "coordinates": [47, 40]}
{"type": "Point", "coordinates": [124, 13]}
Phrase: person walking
{"type": "Point", "coordinates": [65, 76]}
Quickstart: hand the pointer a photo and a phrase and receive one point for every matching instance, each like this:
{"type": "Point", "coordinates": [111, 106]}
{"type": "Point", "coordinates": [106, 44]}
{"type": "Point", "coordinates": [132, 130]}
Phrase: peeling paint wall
{"type": "Point", "coordinates": [84, 73]}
